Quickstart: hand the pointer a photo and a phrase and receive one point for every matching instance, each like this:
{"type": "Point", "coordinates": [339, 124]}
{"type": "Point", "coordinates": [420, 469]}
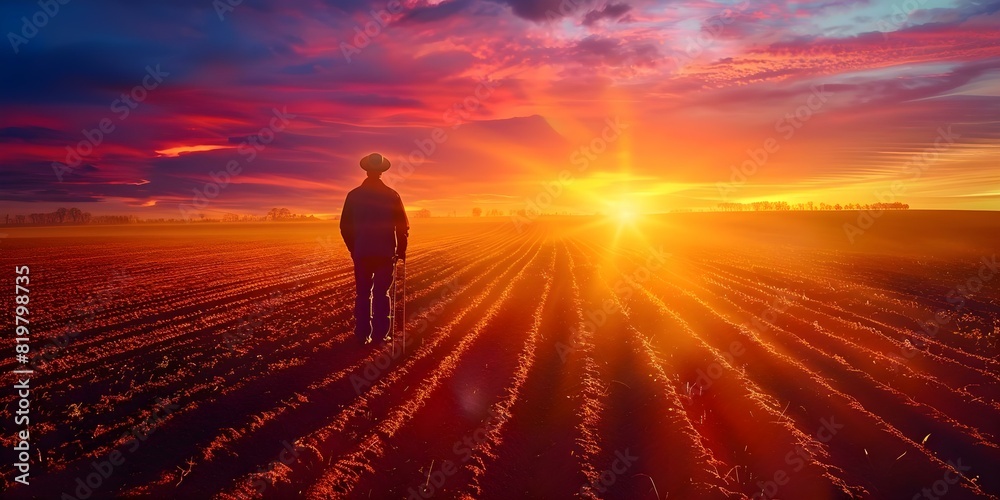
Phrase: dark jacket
{"type": "Point", "coordinates": [373, 222]}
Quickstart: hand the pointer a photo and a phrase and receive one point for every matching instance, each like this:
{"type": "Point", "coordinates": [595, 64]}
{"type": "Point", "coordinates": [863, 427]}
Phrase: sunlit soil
{"type": "Point", "coordinates": [675, 356]}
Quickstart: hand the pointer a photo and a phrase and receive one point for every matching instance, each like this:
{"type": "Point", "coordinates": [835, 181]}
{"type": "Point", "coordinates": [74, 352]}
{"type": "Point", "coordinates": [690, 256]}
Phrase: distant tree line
{"type": "Point", "coordinates": [59, 216]}
{"type": "Point", "coordinates": [495, 212]}
{"type": "Point", "coordinates": [73, 215]}
{"type": "Point", "coordinates": [779, 206]}
{"type": "Point", "coordinates": [276, 214]}
{"type": "Point", "coordinates": [273, 215]}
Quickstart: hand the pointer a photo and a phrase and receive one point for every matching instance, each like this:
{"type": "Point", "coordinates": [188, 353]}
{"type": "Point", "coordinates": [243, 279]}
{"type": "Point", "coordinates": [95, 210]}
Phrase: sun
{"type": "Point", "coordinates": [626, 214]}
{"type": "Point", "coordinates": [624, 211]}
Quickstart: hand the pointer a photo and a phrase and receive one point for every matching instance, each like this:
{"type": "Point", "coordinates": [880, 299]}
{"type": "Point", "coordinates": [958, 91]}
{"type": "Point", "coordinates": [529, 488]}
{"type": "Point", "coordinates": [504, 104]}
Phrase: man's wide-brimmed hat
{"type": "Point", "coordinates": [375, 163]}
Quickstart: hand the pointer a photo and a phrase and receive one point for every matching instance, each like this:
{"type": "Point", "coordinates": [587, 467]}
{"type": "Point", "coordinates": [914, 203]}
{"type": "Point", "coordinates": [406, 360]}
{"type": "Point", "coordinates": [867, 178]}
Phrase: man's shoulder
{"type": "Point", "coordinates": [373, 189]}
{"type": "Point", "coordinates": [388, 190]}
{"type": "Point", "coordinates": [355, 191]}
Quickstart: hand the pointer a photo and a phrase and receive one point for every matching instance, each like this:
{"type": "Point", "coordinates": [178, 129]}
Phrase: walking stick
{"type": "Point", "coordinates": [392, 303]}
{"type": "Point", "coordinates": [392, 308]}
{"type": "Point", "coordinates": [402, 324]}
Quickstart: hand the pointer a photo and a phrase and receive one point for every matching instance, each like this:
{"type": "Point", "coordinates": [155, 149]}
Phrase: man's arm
{"type": "Point", "coordinates": [402, 225]}
{"type": "Point", "coordinates": [347, 223]}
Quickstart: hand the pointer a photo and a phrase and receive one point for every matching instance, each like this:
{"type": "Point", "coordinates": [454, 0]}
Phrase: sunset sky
{"type": "Point", "coordinates": [650, 105]}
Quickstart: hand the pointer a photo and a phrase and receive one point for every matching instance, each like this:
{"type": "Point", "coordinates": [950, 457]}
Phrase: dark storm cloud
{"type": "Point", "coordinates": [37, 135]}
{"type": "Point", "coordinates": [433, 13]}
{"type": "Point", "coordinates": [31, 181]}
{"type": "Point", "coordinates": [614, 52]}
{"type": "Point", "coordinates": [543, 10]}
{"type": "Point", "coordinates": [977, 8]}
{"type": "Point", "coordinates": [83, 72]}
{"type": "Point", "coordinates": [609, 11]}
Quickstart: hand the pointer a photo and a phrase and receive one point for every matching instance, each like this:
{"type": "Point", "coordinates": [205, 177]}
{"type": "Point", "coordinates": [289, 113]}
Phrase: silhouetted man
{"type": "Point", "coordinates": [374, 226]}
